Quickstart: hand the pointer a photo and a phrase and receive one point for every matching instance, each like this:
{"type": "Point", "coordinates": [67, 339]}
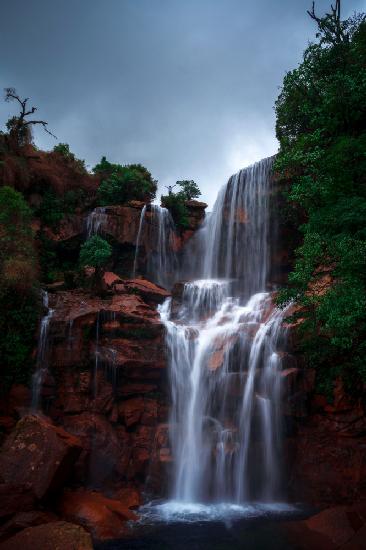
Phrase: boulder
{"type": "Point", "coordinates": [110, 279]}
{"type": "Point", "coordinates": [50, 536]}
{"type": "Point", "coordinates": [149, 292]}
{"type": "Point", "coordinates": [38, 453]}
{"type": "Point", "coordinates": [103, 517]}
{"type": "Point", "coordinates": [22, 520]}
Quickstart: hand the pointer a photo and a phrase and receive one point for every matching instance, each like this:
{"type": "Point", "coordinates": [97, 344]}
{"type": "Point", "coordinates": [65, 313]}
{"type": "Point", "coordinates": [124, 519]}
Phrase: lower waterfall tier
{"type": "Point", "coordinates": [225, 421]}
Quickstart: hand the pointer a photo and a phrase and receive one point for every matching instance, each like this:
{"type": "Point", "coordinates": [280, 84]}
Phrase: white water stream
{"type": "Point", "coordinates": [224, 342]}
{"type": "Point", "coordinates": [157, 229]}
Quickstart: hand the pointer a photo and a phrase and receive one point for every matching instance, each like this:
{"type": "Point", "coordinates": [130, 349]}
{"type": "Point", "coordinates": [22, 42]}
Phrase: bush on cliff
{"type": "Point", "coordinates": [63, 149]}
{"type": "Point", "coordinates": [121, 184]}
{"type": "Point", "coordinates": [18, 287]}
{"type": "Point", "coordinates": [176, 202]}
{"type": "Point", "coordinates": [321, 127]}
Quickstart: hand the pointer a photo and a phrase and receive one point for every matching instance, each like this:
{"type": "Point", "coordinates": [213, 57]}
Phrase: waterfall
{"type": "Point", "coordinates": [95, 221]}
{"type": "Point", "coordinates": [138, 241]}
{"type": "Point", "coordinates": [224, 343]}
{"type": "Point", "coordinates": [156, 231]}
{"type": "Point", "coordinates": [42, 353]}
{"type": "Point", "coordinates": [233, 242]}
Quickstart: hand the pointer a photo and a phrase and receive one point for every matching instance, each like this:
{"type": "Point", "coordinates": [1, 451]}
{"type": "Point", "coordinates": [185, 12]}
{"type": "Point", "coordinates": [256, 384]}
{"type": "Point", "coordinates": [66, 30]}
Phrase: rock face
{"type": "Point", "coordinates": [50, 536]}
{"type": "Point", "coordinates": [108, 358]}
{"type": "Point", "coordinates": [327, 450]}
{"type": "Point", "coordinates": [38, 454]}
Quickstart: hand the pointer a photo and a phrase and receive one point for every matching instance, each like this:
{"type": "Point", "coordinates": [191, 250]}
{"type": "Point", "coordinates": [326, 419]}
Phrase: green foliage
{"type": "Point", "coordinates": [95, 252]}
{"type": "Point", "coordinates": [176, 202]}
{"type": "Point", "coordinates": [55, 207]}
{"type": "Point", "coordinates": [189, 189]}
{"type": "Point", "coordinates": [18, 260]}
{"type": "Point", "coordinates": [18, 286]}
{"type": "Point", "coordinates": [63, 149]}
{"type": "Point", "coordinates": [321, 126]}
{"type": "Point", "coordinates": [18, 322]}
{"type": "Point", "coordinates": [121, 184]}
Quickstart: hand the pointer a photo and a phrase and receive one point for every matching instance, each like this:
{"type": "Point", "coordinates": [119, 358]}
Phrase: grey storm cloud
{"type": "Point", "coordinates": [186, 87]}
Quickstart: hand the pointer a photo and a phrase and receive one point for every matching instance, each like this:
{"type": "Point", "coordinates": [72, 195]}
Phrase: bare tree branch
{"type": "Point", "coordinates": [20, 123]}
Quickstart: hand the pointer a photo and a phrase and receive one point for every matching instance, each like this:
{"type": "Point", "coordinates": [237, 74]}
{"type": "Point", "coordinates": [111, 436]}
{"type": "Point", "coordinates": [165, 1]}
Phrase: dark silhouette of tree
{"type": "Point", "coordinates": [19, 126]}
{"type": "Point", "coordinates": [331, 28]}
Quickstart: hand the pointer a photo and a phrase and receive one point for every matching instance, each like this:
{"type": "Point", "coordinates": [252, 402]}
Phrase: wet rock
{"type": "Point", "coordinates": [50, 536]}
{"type": "Point", "coordinates": [15, 498]}
{"type": "Point", "coordinates": [104, 453]}
{"type": "Point", "coordinates": [129, 497]}
{"type": "Point", "coordinates": [196, 213]}
{"type": "Point", "coordinates": [38, 453]}
{"type": "Point", "coordinates": [103, 517]}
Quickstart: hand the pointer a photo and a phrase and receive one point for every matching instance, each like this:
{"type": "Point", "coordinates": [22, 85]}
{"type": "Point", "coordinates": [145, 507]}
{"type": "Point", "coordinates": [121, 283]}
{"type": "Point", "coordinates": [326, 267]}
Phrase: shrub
{"type": "Point", "coordinates": [121, 184]}
{"type": "Point", "coordinates": [63, 149]}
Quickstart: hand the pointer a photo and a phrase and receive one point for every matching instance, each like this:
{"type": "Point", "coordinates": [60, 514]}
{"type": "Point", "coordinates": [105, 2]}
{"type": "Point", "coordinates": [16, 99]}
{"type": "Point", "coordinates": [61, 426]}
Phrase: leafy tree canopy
{"type": "Point", "coordinates": [189, 190]}
{"type": "Point", "coordinates": [121, 184]}
{"type": "Point", "coordinates": [321, 127]}
{"type": "Point", "coordinates": [95, 252]}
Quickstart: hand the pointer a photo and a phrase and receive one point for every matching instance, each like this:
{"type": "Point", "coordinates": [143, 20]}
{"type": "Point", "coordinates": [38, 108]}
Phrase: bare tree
{"type": "Point", "coordinates": [330, 26]}
{"type": "Point", "coordinates": [20, 126]}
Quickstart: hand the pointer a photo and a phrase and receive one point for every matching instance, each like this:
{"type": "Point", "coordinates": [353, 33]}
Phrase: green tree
{"type": "Point", "coordinates": [95, 252]}
{"type": "Point", "coordinates": [121, 184]}
{"type": "Point", "coordinates": [189, 189]}
{"type": "Point", "coordinates": [321, 122]}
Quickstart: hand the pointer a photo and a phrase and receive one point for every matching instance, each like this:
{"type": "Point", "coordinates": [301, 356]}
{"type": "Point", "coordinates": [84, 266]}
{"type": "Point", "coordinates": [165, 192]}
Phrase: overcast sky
{"type": "Point", "coordinates": [185, 87]}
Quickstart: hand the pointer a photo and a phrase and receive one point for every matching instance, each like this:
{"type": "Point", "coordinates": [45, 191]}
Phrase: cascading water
{"type": "Point", "coordinates": [234, 240]}
{"type": "Point", "coordinates": [95, 221]}
{"type": "Point", "coordinates": [157, 228]}
{"type": "Point", "coordinates": [224, 345]}
{"type": "Point", "coordinates": [138, 241]}
{"type": "Point", "coordinates": [42, 354]}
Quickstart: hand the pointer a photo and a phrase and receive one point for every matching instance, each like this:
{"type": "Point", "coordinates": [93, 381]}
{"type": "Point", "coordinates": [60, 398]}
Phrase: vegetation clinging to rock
{"type": "Point", "coordinates": [176, 202]}
{"type": "Point", "coordinates": [321, 121]}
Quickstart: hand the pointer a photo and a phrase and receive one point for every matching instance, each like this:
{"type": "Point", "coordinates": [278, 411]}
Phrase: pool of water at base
{"type": "Point", "coordinates": [184, 526]}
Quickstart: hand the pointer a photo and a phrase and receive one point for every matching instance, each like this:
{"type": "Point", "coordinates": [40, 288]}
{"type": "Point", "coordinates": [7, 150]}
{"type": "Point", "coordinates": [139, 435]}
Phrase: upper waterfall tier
{"type": "Point", "coordinates": [161, 263]}
{"type": "Point", "coordinates": [234, 240]}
